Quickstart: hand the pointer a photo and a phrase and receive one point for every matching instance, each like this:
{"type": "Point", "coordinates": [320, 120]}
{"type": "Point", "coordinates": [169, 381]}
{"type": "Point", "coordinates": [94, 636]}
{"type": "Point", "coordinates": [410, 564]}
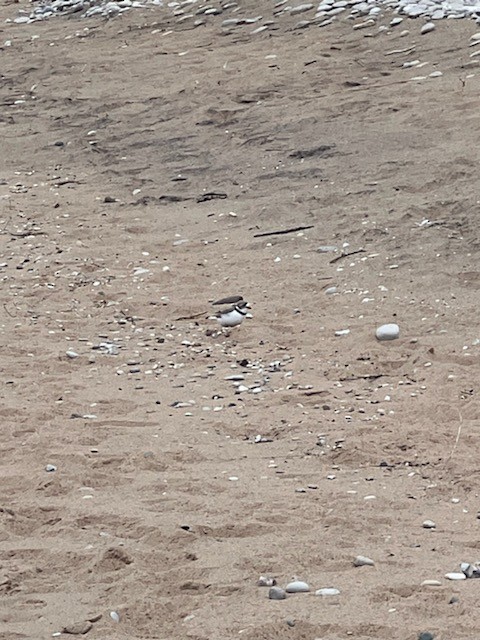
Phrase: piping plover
{"type": "Point", "coordinates": [234, 315]}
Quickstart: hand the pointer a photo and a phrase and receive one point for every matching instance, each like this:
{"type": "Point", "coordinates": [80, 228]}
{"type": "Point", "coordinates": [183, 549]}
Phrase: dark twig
{"type": "Point", "coordinates": [346, 255]}
{"type": "Point", "coordinates": [281, 233]}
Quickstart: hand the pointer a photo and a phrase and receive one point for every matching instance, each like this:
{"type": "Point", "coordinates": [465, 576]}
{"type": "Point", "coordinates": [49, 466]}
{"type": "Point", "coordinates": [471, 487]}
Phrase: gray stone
{"type": "Point", "coordinates": [276, 593]}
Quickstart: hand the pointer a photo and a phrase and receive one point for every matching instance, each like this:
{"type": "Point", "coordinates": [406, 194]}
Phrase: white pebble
{"type": "Point", "coordinates": [363, 561]}
{"type": "Point", "coordinates": [455, 576]}
{"type": "Point", "coordinates": [327, 591]}
{"type": "Point", "coordinates": [388, 332]}
{"type": "Point", "coordinates": [297, 587]}
{"type": "Point", "coordinates": [430, 26]}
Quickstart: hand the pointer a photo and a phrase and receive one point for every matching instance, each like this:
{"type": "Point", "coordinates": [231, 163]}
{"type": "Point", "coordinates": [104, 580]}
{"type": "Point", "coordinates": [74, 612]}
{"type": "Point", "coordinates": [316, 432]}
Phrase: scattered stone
{"type": "Point", "coordinates": [431, 583]}
{"type": "Point", "coordinates": [290, 622]}
{"type": "Point", "coordinates": [388, 332]}
{"type": "Point", "coordinates": [426, 635]}
{"type": "Point", "coordinates": [276, 593]}
{"type": "Point", "coordinates": [259, 438]}
{"type": "Point", "coordinates": [71, 354]}
{"type": "Point", "coordinates": [301, 8]}
{"type": "Point", "coordinates": [429, 524]}
{"type": "Point", "coordinates": [330, 290]}
{"type": "Point", "coordinates": [297, 586]}
{"type": "Point", "coordinates": [50, 468]}
{"type": "Point", "coordinates": [266, 581]}
{"type": "Point", "coordinates": [327, 248]}
{"type": "Point", "coordinates": [455, 576]}
{"type": "Point", "coordinates": [364, 25]}
{"type": "Point", "coordinates": [363, 561]}
{"type": "Point", "coordinates": [470, 570]}
{"type": "Point", "coordinates": [114, 616]}
{"type": "Point", "coordinates": [427, 28]}
{"type": "Point", "coordinates": [327, 591]}
{"type": "Point", "coordinates": [454, 600]}
{"type": "Point", "coordinates": [78, 628]}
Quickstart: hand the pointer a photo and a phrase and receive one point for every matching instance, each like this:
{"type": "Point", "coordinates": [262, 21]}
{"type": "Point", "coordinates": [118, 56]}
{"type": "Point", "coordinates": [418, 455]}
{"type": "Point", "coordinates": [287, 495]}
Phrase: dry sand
{"type": "Point", "coordinates": [331, 133]}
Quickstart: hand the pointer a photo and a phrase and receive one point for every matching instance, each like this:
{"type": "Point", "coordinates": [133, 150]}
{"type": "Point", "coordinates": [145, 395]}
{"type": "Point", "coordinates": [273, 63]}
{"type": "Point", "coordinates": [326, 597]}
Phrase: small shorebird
{"type": "Point", "coordinates": [234, 315]}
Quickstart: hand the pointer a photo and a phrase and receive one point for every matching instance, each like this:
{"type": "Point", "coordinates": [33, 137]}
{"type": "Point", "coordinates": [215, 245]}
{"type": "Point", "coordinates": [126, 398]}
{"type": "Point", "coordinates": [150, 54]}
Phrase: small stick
{"type": "Point", "coordinates": [196, 315]}
{"type": "Point", "coordinates": [280, 233]}
{"type": "Point", "coordinates": [346, 255]}
{"type": "Point", "coordinates": [371, 376]}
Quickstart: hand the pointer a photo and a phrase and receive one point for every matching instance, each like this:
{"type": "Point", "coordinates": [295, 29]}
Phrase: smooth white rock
{"type": "Point", "coordinates": [429, 524]}
{"type": "Point", "coordinates": [388, 332]}
{"type": "Point", "coordinates": [363, 561]}
{"type": "Point", "coordinates": [327, 591]}
{"type": "Point", "coordinates": [301, 8]}
{"type": "Point", "coordinates": [297, 586]}
{"type": "Point", "coordinates": [455, 576]}
{"type": "Point", "coordinates": [427, 28]}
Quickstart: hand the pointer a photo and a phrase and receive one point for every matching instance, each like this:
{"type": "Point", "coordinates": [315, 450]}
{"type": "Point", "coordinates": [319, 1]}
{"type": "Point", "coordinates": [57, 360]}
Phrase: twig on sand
{"type": "Point", "coordinates": [370, 376]}
{"type": "Point", "coordinates": [280, 233]}
{"type": "Point", "coordinates": [346, 255]}
{"type": "Point", "coordinates": [195, 315]}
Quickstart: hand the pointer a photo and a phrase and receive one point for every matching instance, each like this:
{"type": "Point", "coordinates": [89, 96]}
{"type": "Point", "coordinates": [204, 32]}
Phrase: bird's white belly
{"type": "Point", "coordinates": [231, 319]}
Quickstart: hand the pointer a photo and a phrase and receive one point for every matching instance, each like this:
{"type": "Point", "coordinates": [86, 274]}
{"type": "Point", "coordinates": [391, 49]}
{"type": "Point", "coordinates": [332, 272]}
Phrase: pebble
{"type": "Point", "coordinates": [428, 524]}
{"type": "Point", "coordinates": [266, 581]}
{"type": "Point", "coordinates": [327, 248]}
{"type": "Point", "coordinates": [327, 591]}
{"type": "Point", "coordinates": [50, 468]}
{"type": "Point", "coordinates": [455, 576]}
{"type": "Point", "coordinates": [301, 8]}
{"type": "Point", "coordinates": [72, 354]}
{"type": "Point", "coordinates": [114, 616]}
{"type": "Point", "coordinates": [427, 28]}
{"type": "Point", "coordinates": [387, 332]}
{"type": "Point", "coordinates": [78, 628]}
{"type": "Point", "coordinates": [276, 593]}
{"type": "Point", "coordinates": [431, 583]}
{"type": "Point", "coordinates": [297, 586]}
{"type": "Point", "coordinates": [363, 561]}
{"type": "Point", "coordinates": [426, 635]}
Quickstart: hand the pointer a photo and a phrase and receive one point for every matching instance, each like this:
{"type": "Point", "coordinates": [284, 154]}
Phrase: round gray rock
{"type": "Point", "coordinates": [276, 593]}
